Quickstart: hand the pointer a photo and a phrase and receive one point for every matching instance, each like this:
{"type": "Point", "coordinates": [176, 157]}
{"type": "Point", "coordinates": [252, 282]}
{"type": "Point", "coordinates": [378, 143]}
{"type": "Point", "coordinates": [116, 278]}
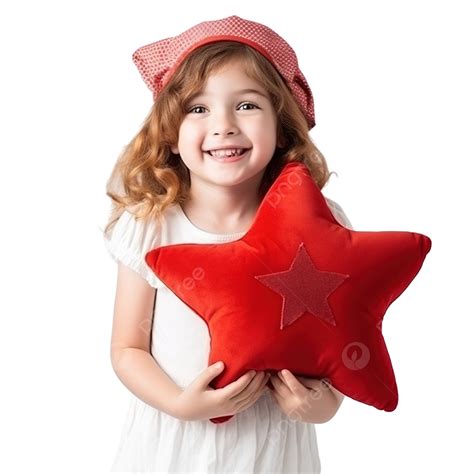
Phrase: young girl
{"type": "Point", "coordinates": [231, 108]}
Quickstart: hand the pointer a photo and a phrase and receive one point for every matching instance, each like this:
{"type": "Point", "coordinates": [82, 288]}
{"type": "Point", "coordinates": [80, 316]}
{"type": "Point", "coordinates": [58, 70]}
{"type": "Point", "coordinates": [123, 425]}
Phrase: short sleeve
{"type": "Point", "coordinates": [130, 240]}
{"type": "Point", "coordinates": [339, 213]}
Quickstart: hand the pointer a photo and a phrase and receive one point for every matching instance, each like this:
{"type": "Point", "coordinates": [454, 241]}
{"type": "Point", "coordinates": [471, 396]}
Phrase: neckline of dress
{"type": "Point", "coordinates": [205, 233]}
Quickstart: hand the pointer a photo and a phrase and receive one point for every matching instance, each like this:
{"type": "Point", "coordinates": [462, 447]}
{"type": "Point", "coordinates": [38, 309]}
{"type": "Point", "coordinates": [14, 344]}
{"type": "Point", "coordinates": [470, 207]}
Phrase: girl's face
{"type": "Point", "coordinates": [226, 114]}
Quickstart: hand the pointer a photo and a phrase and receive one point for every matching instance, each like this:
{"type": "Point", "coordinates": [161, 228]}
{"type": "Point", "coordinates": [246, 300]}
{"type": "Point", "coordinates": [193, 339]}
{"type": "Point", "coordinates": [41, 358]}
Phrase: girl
{"type": "Point", "coordinates": [231, 108]}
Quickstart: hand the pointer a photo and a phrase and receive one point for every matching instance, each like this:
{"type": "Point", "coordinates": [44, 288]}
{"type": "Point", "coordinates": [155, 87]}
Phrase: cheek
{"type": "Point", "coordinates": [189, 133]}
{"type": "Point", "coordinates": [266, 134]}
{"type": "Point", "coordinates": [268, 142]}
{"type": "Point", "coordinates": [186, 140]}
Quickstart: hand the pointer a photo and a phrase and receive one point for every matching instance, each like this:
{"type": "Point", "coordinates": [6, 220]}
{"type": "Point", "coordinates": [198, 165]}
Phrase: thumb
{"type": "Point", "coordinates": [216, 368]}
{"type": "Point", "coordinates": [211, 372]}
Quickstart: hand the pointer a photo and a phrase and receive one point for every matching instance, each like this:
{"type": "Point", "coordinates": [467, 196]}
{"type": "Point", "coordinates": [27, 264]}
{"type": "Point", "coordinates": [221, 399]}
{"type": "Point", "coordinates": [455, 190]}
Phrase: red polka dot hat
{"type": "Point", "coordinates": [159, 60]}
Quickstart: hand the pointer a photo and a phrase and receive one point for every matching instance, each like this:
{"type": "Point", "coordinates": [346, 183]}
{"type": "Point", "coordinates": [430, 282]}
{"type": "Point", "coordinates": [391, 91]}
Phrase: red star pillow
{"type": "Point", "coordinates": [298, 291]}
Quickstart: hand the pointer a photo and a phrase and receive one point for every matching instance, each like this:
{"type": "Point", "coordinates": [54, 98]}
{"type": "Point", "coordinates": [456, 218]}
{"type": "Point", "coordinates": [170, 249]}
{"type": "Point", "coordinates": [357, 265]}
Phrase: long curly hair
{"type": "Point", "coordinates": [147, 177]}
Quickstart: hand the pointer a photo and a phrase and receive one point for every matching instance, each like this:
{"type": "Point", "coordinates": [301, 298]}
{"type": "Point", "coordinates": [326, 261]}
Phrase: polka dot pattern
{"type": "Point", "coordinates": [157, 61]}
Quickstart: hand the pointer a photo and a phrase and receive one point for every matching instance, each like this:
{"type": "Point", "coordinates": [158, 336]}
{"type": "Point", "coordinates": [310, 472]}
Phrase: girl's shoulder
{"type": "Point", "coordinates": [130, 239]}
{"type": "Point", "coordinates": [338, 213]}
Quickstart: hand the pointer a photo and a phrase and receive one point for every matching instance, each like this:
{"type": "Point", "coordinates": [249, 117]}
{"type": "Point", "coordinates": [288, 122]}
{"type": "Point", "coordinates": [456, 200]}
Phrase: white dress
{"type": "Point", "coordinates": [259, 439]}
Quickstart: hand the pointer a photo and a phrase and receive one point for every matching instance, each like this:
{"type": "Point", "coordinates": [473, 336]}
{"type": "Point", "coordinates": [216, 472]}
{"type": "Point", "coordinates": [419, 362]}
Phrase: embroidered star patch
{"type": "Point", "coordinates": [304, 289]}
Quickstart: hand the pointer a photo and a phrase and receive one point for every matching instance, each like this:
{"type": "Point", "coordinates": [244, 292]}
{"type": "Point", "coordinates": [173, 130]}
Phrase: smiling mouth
{"type": "Point", "coordinates": [229, 153]}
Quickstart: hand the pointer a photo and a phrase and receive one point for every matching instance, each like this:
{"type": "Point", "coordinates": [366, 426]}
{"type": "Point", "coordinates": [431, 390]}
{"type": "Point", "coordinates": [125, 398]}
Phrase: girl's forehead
{"type": "Point", "coordinates": [227, 68]}
{"type": "Point", "coordinates": [235, 72]}
{"type": "Point", "coordinates": [228, 78]}
{"type": "Point", "coordinates": [234, 88]}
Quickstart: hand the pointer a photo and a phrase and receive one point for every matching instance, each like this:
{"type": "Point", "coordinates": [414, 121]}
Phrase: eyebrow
{"type": "Point", "coordinates": [242, 91]}
{"type": "Point", "coordinates": [254, 91]}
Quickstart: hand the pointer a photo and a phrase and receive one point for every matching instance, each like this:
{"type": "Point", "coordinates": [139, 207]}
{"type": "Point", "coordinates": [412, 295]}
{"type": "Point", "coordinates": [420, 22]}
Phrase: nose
{"type": "Point", "coordinates": [224, 124]}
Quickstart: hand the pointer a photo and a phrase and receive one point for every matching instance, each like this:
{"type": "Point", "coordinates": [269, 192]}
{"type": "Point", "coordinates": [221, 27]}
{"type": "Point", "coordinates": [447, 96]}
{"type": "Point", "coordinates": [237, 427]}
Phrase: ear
{"type": "Point", "coordinates": [175, 149]}
{"type": "Point", "coordinates": [281, 143]}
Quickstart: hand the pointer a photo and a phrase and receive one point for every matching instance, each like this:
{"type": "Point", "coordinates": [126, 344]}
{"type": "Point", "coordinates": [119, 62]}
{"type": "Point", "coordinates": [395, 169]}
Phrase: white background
{"type": "Point", "coordinates": [393, 87]}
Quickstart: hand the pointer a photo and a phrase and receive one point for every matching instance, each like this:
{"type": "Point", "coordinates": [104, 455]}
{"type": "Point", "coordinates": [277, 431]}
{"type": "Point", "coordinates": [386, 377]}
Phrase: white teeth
{"type": "Point", "coordinates": [226, 153]}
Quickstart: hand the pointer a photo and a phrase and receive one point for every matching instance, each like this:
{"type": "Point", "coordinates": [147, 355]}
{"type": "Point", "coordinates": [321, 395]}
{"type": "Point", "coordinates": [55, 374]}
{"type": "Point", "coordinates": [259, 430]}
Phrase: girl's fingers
{"type": "Point", "coordinates": [236, 387]}
{"type": "Point", "coordinates": [264, 382]}
{"type": "Point", "coordinates": [292, 383]}
{"type": "Point", "coordinates": [280, 386]}
{"type": "Point", "coordinates": [253, 397]}
{"type": "Point", "coordinates": [249, 389]}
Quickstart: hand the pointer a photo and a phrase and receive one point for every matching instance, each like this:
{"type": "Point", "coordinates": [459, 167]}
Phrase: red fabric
{"type": "Point", "coordinates": [298, 291]}
{"type": "Point", "coordinates": [158, 61]}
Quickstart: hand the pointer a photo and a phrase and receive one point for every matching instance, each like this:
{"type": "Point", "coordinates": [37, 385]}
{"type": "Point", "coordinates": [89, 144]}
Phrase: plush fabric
{"type": "Point", "coordinates": [298, 291]}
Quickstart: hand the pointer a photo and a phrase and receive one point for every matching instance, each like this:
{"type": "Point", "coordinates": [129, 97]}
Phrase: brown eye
{"type": "Point", "coordinates": [195, 107]}
{"type": "Point", "coordinates": [248, 103]}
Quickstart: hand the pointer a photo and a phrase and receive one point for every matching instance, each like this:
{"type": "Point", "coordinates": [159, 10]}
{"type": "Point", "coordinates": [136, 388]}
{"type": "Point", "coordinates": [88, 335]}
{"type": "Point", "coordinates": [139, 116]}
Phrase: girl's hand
{"type": "Point", "coordinates": [198, 401]}
{"type": "Point", "coordinates": [301, 398]}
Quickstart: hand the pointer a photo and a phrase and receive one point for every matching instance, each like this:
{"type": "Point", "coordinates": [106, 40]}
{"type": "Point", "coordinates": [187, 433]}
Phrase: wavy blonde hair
{"type": "Point", "coordinates": [147, 177]}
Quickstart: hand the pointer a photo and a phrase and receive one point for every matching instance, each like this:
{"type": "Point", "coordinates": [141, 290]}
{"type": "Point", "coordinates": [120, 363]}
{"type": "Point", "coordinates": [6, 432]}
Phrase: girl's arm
{"type": "Point", "coordinates": [142, 375]}
{"type": "Point", "coordinates": [130, 343]}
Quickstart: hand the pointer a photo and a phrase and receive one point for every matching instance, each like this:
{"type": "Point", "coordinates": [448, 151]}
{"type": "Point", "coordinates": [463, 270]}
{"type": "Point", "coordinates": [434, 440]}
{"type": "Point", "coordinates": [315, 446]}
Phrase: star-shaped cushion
{"type": "Point", "coordinates": [298, 291]}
